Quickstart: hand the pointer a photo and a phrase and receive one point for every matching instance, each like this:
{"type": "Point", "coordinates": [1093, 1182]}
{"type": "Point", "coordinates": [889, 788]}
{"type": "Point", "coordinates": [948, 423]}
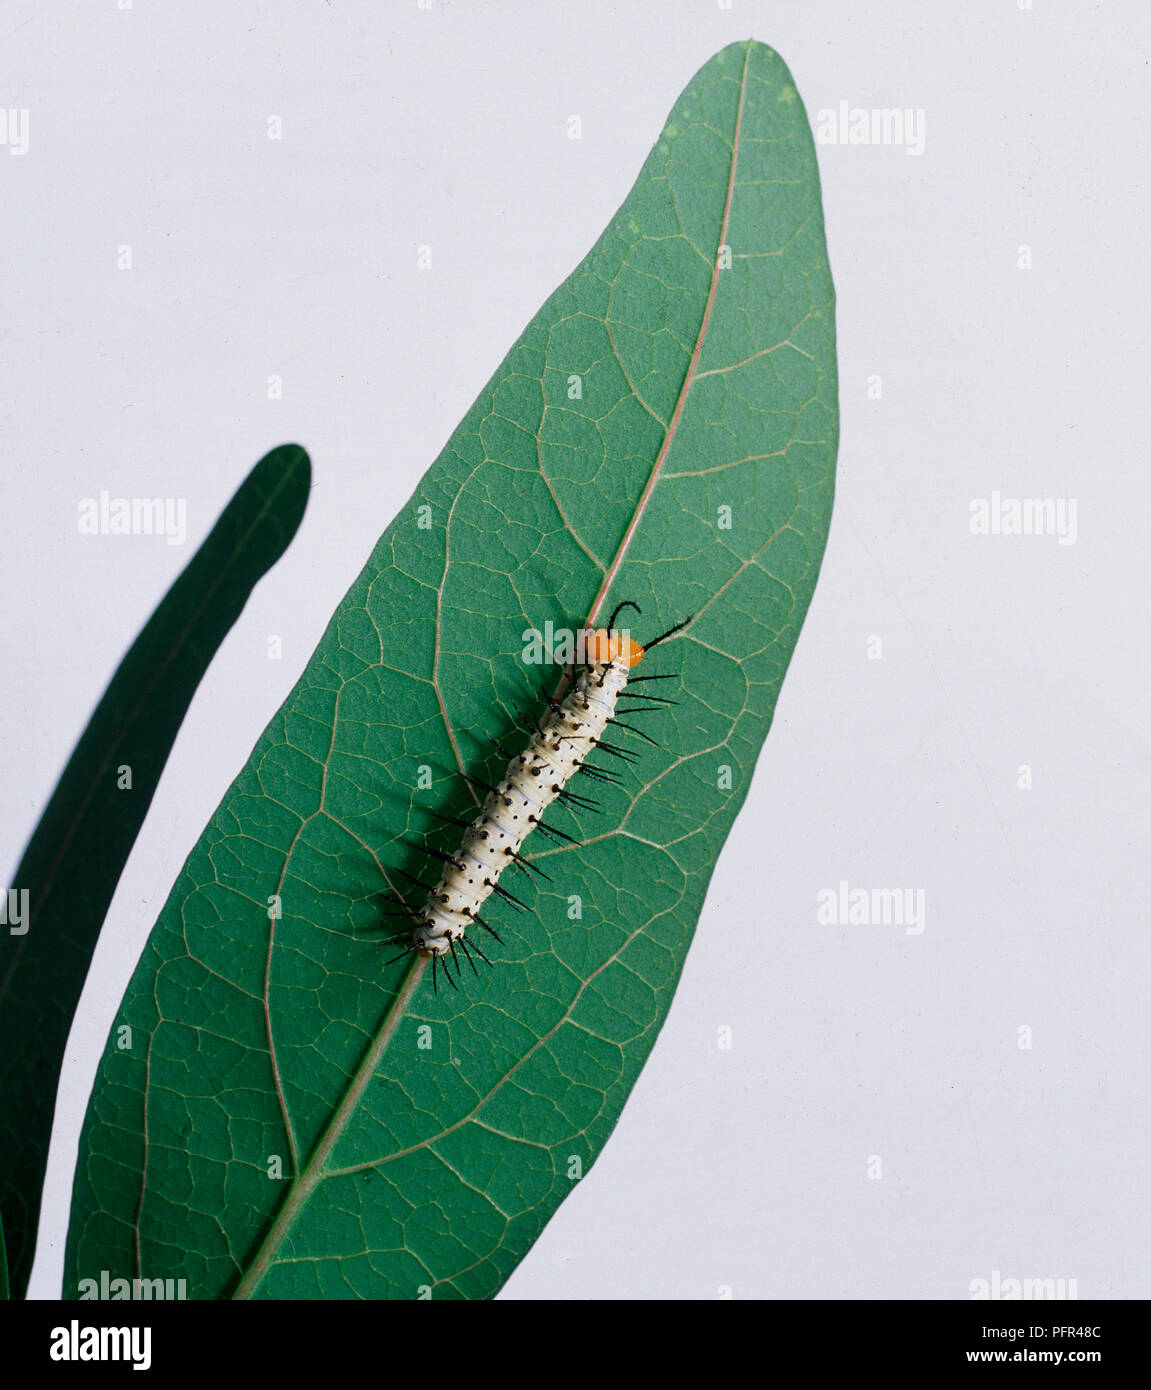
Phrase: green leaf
{"type": "Point", "coordinates": [77, 852]}
{"type": "Point", "coordinates": [4, 1289]}
{"type": "Point", "coordinates": [424, 1140]}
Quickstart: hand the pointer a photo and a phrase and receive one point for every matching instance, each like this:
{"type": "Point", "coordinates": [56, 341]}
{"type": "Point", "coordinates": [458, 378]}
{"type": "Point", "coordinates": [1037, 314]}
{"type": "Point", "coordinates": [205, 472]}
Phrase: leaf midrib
{"type": "Point", "coordinates": [689, 375]}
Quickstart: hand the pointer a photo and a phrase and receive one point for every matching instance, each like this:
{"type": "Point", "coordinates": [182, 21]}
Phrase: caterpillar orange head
{"type": "Point", "coordinates": [604, 646]}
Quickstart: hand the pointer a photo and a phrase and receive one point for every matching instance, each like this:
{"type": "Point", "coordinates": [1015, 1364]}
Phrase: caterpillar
{"type": "Point", "coordinates": [559, 748]}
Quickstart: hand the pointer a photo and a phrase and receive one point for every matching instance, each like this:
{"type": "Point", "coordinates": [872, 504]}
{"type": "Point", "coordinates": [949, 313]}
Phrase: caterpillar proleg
{"type": "Point", "coordinates": [559, 748]}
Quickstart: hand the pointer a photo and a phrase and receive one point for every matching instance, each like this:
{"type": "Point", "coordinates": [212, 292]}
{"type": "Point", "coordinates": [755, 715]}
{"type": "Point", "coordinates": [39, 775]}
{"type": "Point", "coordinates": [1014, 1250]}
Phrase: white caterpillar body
{"type": "Point", "coordinates": [531, 782]}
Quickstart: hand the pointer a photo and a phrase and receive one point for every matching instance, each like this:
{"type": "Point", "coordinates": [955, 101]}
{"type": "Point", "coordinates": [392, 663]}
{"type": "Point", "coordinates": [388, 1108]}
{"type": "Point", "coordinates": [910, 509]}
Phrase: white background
{"type": "Point", "coordinates": [748, 1168]}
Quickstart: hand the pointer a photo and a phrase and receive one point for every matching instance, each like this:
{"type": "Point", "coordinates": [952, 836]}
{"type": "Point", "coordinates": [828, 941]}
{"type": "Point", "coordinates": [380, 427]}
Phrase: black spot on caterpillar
{"type": "Point", "coordinates": [560, 745]}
